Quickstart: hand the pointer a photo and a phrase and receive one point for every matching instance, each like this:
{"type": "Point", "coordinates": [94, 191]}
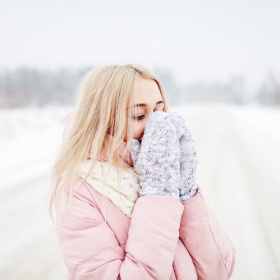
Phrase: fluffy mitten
{"type": "Point", "coordinates": [157, 159]}
{"type": "Point", "coordinates": [188, 159]}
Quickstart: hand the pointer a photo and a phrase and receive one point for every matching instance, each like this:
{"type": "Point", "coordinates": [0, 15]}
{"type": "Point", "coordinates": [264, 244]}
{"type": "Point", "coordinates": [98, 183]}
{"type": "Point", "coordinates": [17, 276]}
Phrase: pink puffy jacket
{"type": "Point", "coordinates": [164, 239]}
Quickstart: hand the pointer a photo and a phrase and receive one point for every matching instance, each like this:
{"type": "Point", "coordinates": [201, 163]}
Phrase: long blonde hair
{"type": "Point", "coordinates": [102, 103]}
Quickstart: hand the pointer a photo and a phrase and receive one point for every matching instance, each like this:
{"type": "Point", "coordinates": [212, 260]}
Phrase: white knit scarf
{"type": "Point", "coordinates": [122, 189]}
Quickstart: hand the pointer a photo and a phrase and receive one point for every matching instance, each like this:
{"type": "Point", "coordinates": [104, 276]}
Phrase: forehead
{"type": "Point", "coordinates": [147, 91]}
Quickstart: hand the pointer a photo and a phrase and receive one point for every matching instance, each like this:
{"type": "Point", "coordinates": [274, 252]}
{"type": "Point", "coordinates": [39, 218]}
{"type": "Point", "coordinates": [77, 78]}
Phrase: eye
{"type": "Point", "coordinates": [139, 118]}
{"type": "Point", "coordinates": [159, 109]}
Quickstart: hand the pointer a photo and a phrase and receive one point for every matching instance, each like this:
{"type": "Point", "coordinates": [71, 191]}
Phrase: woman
{"type": "Point", "coordinates": [123, 145]}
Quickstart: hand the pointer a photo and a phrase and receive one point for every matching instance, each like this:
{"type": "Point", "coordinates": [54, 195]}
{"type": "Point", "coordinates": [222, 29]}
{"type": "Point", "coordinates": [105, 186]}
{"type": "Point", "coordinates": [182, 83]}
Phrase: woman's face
{"type": "Point", "coordinates": [148, 100]}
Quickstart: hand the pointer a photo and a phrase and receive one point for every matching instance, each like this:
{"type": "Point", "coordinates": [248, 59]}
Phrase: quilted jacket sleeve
{"type": "Point", "coordinates": [212, 251]}
{"type": "Point", "coordinates": [91, 250]}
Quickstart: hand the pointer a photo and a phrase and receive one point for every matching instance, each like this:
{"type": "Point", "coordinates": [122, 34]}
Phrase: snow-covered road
{"type": "Point", "coordinates": [238, 150]}
{"type": "Point", "coordinates": [239, 156]}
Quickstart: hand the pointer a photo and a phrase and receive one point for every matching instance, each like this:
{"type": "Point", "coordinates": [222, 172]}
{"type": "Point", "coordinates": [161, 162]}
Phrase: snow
{"type": "Point", "coordinates": [238, 149]}
{"type": "Point", "coordinates": [28, 140]}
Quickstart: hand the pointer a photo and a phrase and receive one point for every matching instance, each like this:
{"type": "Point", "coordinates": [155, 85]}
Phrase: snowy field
{"type": "Point", "coordinates": [238, 152]}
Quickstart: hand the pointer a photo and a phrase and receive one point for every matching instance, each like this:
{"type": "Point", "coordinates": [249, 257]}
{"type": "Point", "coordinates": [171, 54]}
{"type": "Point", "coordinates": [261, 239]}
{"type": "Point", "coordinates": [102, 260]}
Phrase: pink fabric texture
{"type": "Point", "coordinates": [164, 239]}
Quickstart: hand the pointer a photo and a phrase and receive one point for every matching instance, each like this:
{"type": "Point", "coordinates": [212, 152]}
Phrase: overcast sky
{"type": "Point", "coordinates": [197, 40]}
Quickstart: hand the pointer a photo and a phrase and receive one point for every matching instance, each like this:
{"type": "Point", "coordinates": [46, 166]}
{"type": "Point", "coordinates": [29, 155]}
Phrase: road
{"type": "Point", "coordinates": [239, 162]}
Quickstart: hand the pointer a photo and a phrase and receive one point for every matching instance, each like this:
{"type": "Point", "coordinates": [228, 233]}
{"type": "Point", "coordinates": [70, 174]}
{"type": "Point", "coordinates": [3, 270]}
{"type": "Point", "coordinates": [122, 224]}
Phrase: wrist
{"type": "Point", "coordinates": [162, 191]}
{"type": "Point", "coordinates": [191, 192]}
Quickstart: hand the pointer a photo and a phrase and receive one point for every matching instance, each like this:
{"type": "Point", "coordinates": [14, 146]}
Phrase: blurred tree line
{"type": "Point", "coordinates": [34, 87]}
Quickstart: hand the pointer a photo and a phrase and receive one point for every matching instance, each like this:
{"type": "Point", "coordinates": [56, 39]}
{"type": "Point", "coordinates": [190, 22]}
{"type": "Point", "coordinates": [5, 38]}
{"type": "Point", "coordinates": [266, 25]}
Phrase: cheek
{"type": "Point", "coordinates": [139, 130]}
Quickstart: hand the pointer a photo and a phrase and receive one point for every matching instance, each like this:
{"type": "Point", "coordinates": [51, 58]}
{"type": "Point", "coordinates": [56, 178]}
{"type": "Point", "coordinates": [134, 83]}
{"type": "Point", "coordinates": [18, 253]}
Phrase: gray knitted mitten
{"type": "Point", "coordinates": [156, 159]}
{"type": "Point", "coordinates": [188, 159]}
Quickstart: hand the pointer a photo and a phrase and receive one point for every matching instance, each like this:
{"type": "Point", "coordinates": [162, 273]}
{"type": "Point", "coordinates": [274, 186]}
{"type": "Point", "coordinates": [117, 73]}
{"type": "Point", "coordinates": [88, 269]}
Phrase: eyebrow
{"type": "Point", "coordinates": [145, 104]}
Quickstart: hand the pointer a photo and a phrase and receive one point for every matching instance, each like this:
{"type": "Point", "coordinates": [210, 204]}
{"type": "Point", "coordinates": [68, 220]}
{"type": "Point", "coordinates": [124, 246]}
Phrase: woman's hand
{"type": "Point", "coordinates": [188, 159]}
{"type": "Point", "coordinates": [157, 159]}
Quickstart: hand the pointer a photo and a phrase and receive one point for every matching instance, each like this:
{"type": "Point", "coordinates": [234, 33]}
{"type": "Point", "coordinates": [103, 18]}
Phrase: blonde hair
{"type": "Point", "coordinates": [103, 99]}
